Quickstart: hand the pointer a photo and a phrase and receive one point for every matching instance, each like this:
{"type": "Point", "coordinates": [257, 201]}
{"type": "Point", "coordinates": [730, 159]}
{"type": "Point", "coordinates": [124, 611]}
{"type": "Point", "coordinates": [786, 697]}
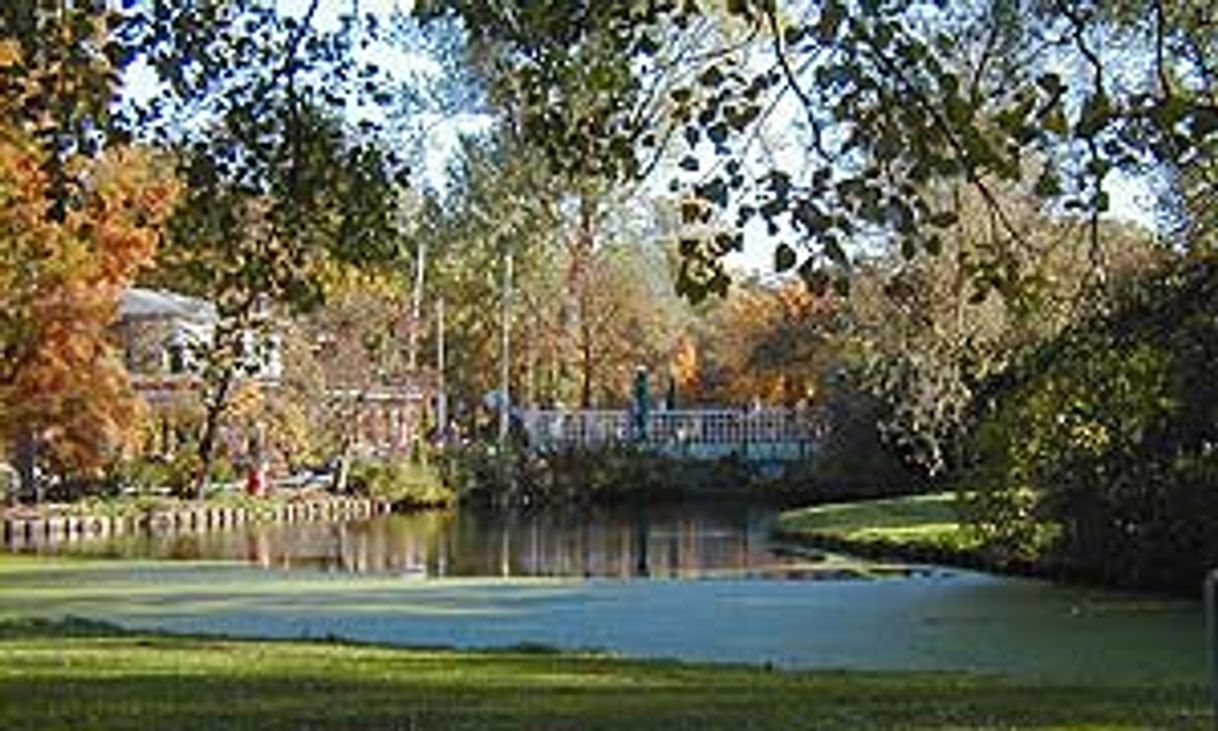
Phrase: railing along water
{"type": "Point", "coordinates": [772, 433]}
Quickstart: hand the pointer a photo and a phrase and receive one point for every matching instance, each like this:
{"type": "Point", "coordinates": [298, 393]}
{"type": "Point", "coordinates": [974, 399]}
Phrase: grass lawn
{"type": "Point", "coordinates": [917, 520]}
{"type": "Point", "coordinates": [80, 675]}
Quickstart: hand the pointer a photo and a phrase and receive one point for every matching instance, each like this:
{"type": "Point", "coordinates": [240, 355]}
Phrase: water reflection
{"type": "Point", "coordinates": [688, 540]}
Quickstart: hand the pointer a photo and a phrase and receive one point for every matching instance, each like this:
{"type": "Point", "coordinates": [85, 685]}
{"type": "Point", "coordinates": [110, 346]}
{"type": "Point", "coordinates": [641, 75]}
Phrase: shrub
{"type": "Point", "coordinates": [401, 482]}
{"type": "Point", "coordinates": [1103, 454]}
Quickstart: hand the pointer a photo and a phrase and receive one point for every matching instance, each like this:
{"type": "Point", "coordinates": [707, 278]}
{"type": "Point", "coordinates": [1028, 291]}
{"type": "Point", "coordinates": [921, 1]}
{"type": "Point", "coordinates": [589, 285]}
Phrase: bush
{"type": "Point", "coordinates": [157, 474]}
{"type": "Point", "coordinates": [401, 482]}
{"type": "Point", "coordinates": [1102, 456]}
{"type": "Point", "coordinates": [854, 460]}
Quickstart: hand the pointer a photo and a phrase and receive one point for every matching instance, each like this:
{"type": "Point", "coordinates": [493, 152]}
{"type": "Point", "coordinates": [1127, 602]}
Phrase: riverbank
{"type": "Point", "coordinates": [925, 528]}
{"type": "Point", "coordinates": [33, 526]}
{"type": "Point", "coordinates": [73, 673]}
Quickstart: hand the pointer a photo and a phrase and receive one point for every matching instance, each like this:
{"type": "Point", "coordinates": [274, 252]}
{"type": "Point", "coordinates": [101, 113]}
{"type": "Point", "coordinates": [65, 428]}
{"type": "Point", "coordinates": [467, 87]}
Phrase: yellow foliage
{"type": "Point", "coordinates": [60, 282]}
{"type": "Point", "coordinates": [685, 364]}
{"type": "Point", "coordinates": [344, 280]}
{"type": "Point", "coordinates": [10, 54]}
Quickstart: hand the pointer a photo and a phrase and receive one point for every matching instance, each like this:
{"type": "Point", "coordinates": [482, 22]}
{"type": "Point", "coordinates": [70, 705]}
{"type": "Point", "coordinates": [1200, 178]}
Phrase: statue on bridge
{"type": "Point", "coordinates": [640, 412]}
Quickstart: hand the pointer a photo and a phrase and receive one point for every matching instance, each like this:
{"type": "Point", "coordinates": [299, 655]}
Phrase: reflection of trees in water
{"type": "Point", "coordinates": [596, 542]}
{"type": "Point", "coordinates": [410, 544]}
{"type": "Point", "coordinates": [621, 543]}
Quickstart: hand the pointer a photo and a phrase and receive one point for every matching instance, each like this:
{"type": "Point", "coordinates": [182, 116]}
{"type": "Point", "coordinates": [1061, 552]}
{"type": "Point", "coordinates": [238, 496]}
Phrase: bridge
{"type": "Point", "coordinates": [755, 435]}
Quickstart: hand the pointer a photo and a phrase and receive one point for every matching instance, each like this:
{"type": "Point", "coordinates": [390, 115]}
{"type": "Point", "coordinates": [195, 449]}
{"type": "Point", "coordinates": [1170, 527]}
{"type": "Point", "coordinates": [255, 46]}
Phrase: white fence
{"type": "Point", "coordinates": [780, 434]}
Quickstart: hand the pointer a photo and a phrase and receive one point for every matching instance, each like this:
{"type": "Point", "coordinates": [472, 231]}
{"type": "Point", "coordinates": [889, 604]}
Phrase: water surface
{"type": "Point", "coordinates": [695, 582]}
{"type": "Point", "coordinates": [691, 540]}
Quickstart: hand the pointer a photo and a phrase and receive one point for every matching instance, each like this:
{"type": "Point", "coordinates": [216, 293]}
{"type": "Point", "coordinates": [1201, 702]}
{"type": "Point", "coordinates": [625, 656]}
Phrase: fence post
{"type": "Point", "coordinates": [1211, 621]}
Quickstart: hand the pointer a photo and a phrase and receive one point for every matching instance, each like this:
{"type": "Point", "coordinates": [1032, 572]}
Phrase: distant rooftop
{"type": "Point", "coordinates": [139, 303]}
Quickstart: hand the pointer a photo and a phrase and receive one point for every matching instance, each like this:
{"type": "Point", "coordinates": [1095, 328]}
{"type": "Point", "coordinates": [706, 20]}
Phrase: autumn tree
{"type": "Point", "coordinates": [770, 343]}
{"type": "Point", "coordinates": [500, 204]}
{"type": "Point", "coordinates": [930, 331]}
{"type": "Point", "coordinates": [77, 228]}
{"type": "Point", "coordinates": [590, 298]}
{"type": "Point", "coordinates": [357, 345]}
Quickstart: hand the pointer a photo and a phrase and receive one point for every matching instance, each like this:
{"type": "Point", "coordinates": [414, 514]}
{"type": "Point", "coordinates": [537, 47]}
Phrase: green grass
{"type": "Point", "coordinates": [930, 521]}
{"type": "Point", "coordinates": [76, 675]}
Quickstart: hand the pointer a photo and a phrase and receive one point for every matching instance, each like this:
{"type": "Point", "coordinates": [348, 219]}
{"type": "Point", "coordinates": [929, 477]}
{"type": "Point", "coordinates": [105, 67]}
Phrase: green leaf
{"type": "Point", "coordinates": [784, 258]}
{"type": "Point", "coordinates": [834, 251]}
{"type": "Point", "coordinates": [1051, 83]}
{"type": "Point", "coordinates": [1055, 120]}
{"type": "Point", "coordinates": [711, 77]}
{"type": "Point", "coordinates": [814, 278]}
{"type": "Point", "coordinates": [1097, 112]}
{"type": "Point", "coordinates": [1048, 184]}
{"type": "Point", "coordinates": [841, 285]}
{"type": "Point", "coordinates": [715, 191]}
{"type": "Point", "coordinates": [934, 245]}
{"type": "Point", "coordinates": [692, 211]}
{"type": "Point", "coordinates": [693, 134]}
{"type": "Point", "coordinates": [1204, 121]}
{"type": "Point", "coordinates": [831, 16]}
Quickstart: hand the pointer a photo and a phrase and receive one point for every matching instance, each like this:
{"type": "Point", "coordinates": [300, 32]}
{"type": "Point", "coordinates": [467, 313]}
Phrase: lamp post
{"type": "Point", "coordinates": [416, 304]}
{"type": "Point", "coordinates": [505, 350]}
{"type": "Point", "coordinates": [441, 394]}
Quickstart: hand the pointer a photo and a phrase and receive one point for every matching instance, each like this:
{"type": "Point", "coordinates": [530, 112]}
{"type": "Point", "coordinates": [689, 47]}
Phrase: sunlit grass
{"type": "Point", "coordinates": [83, 675]}
{"type": "Point", "coordinates": [928, 520]}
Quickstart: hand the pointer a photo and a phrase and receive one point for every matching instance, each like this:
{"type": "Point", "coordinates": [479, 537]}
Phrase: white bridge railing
{"type": "Point", "coordinates": [707, 433]}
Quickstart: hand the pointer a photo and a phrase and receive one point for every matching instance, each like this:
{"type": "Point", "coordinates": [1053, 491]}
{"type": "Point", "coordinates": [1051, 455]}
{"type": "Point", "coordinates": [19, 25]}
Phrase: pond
{"type": "Point", "coordinates": [695, 582]}
{"type": "Point", "coordinates": [689, 540]}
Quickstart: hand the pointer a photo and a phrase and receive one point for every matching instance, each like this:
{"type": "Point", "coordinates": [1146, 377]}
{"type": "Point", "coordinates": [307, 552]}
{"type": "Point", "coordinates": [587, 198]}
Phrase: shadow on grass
{"type": "Point", "coordinates": [38, 628]}
{"type": "Point", "coordinates": [76, 673]}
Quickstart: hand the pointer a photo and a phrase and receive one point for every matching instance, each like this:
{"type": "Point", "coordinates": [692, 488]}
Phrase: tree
{"type": "Point", "coordinates": [932, 330]}
{"type": "Point", "coordinates": [59, 66]}
{"type": "Point", "coordinates": [279, 185]}
{"type": "Point", "coordinates": [78, 224]}
{"type": "Point", "coordinates": [498, 206]}
{"type": "Point", "coordinates": [891, 101]}
{"type": "Point", "coordinates": [1096, 453]}
{"type": "Point", "coordinates": [590, 300]}
{"type": "Point", "coordinates": [357, 344]}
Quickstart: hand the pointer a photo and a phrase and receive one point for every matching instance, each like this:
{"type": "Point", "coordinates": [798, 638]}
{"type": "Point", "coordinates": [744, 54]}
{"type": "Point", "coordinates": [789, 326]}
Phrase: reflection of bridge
{"type": "Point", "coordinates": [758, 435]}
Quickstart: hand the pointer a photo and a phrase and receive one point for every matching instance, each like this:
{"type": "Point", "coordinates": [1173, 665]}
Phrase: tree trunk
{"type": "Point", "coordinates": [26, 454]}
{"type": "Point", "coordinates": [211, 428]}
{"type": "Point", "coordinates": [342, 472]}
{"type": "Point", "coordinates": [585, 245]}
{"type": "Point", "coordinates": [585, 393]}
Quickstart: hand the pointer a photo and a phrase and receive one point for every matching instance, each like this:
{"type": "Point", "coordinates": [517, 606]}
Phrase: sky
{"type": "Point", "coordinates": [401, 64]}
{"type": "Point", "coordinates": [1132, 199]}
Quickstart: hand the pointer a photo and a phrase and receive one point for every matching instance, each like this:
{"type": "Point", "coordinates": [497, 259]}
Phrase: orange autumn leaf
{"type": "Point", "coordinates": [60, 282]}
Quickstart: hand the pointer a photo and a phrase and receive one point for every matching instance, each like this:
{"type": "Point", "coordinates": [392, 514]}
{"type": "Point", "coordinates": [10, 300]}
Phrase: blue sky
{"type": "Point", "coordinates": [1132, 199]}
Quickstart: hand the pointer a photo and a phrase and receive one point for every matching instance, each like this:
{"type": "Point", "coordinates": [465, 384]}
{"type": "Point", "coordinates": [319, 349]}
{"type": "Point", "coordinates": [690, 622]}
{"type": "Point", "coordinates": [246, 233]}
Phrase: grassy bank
{"type": "Point", "coordinates": [920, 520]}
{"type": "Point", "coordinates": [918, 527]}
{"type": "Point", "coordinates": [74, 674]}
